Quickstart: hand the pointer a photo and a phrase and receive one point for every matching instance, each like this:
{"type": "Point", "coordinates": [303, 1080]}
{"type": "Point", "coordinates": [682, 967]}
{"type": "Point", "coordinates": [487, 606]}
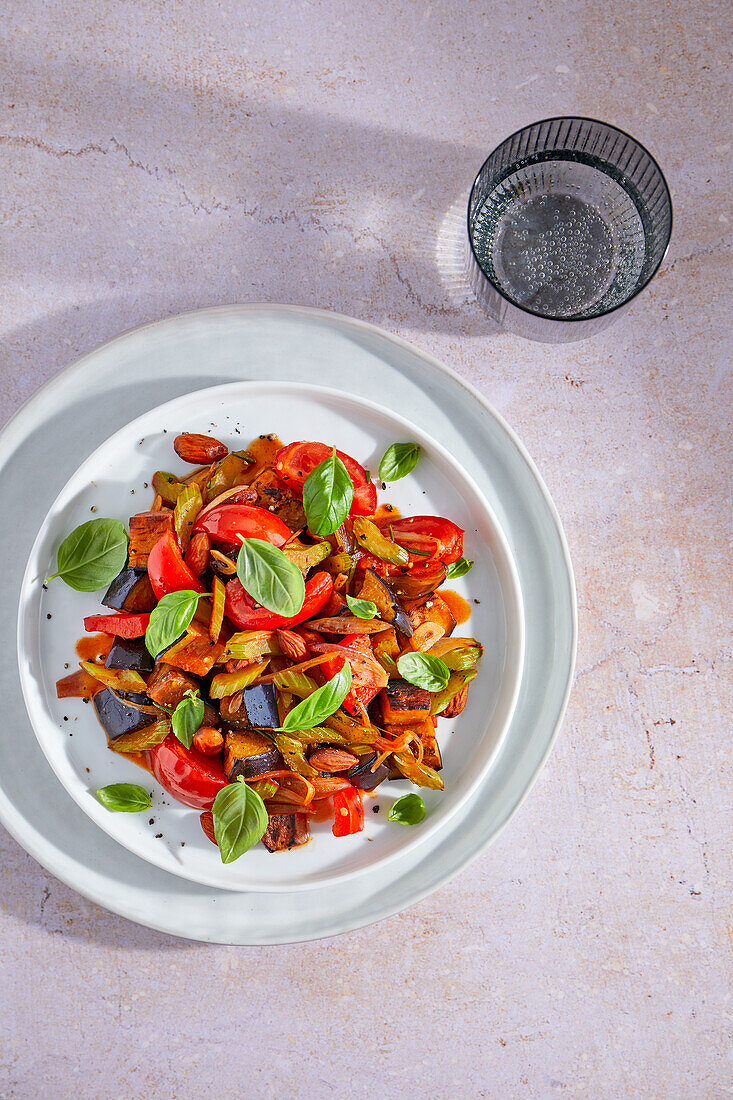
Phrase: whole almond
{"type": "Point", "coordinates": [235, 701]}
{"type": "Point", "coordinates": [207, 824]}
{"type": "Point", "coordinates": [456, 704]}
{"type": "Point", "coordinates": [199, 449]}
{"type": "Point", "coordinates": [292, 645]}
{"type": "Point", "coordinates": [197, 554]}
{"type": "Point", "coordinates": [332, 760]}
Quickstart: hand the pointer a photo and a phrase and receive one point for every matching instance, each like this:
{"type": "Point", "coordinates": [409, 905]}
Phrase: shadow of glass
{"type": "Point", "coordinates": [231, 199]}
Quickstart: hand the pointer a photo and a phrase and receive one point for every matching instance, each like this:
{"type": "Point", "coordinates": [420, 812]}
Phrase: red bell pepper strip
{"type": "Point", "coordinates": [247, 615]}
{"type": "Point", "coordinates": [228, 521]}
{"type": "Point", "coordinates": [168, 571]}
{"type": "Point", "coordinates": [294, 462]}
{"type": "Point", "coordinates": [348, 812]}
{"type": "Point", "coordinates": [367, 678]}
{"type": "Point", "coordinates": [192, 778]}
{"type": "Point", "coordinates": [122, 625]}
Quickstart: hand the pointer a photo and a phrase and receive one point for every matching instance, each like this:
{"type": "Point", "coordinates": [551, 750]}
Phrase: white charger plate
{"type": "Point", "coordinates": [112, 481]}
{"type": "Point", "coordinates": [136, 371]}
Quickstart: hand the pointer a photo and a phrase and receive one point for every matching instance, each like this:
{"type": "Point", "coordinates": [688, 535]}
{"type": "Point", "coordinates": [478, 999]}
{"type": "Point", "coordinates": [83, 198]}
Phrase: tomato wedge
{"type": "Point", "coordinates": [192, 778]}
{"type": "Point", "coordinates": [294, 462]}
{"type": "Point", "coordinates": [228, 521]}
{"type": "Point", "coordinates": [367, 675]}
{"type": "Point", "coordinates": [124, 626]}
{"type": "Point", "coordinates": [348, 812]}
{"type": "Point", "coordinates": [427, 539]}
{"type": "Point", "coordinates": [168, 571]}
{"type": "Point", "coordinates": [441, 538]}
{"type": "Point", "coordinates": [247, 615]}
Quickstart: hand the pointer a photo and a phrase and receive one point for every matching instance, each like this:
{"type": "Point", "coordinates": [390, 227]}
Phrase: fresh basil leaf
{"type": "Point", "coordinates": [270, 577]}
{"type": "Point", "coordinates": [458, 568]}
{"type": "Point", "coordinates": [327, 495]}
{"type": "Point", "coordinates": [408, 810]}
{"type": "Point", "coordinates": [423, 670]}
{"type": "Point", "coordinates": [398, 461]}
{"type": "Point", "coordinates": [363, 609]}
{"type": "Point", "coordinates": [324, 702]}
{"type": "Point", "coordinates": [240, 820]}
{"type": "Point", "coordinates": [92, 555]}
{"type": "Point", "coordinates": [170, 619]}
{"type": "Point", "coordinates": [187, 717]}
{"type": "Point", "coordinates": [125, 798]}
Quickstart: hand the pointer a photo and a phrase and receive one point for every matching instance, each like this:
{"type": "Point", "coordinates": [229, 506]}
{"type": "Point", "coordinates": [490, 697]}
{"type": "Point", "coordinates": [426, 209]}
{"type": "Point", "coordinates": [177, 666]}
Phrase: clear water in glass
{"type": "Point", "coordinates": [561, 238]}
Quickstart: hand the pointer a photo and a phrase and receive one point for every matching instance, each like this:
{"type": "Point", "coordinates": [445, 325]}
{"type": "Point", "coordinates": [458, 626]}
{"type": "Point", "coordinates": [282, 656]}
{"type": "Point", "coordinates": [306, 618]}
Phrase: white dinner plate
{"type": "Point", "coordinates": [113, 481]}
{"type": "Point", "coordinates": [53, 433]}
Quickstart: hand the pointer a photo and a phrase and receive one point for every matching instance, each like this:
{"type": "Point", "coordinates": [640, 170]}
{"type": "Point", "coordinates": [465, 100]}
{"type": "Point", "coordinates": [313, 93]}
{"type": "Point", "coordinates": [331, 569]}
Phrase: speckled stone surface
{"type": "Point", "coordinates": [155, 157]}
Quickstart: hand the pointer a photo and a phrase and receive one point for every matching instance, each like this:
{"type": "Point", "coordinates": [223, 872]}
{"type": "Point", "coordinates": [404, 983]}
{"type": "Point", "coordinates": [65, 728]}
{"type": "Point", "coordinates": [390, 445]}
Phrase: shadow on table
{"type": "Point", "coordinates": [36, 897]}
{"type": "Point", "coordinates": [168, 198]}
{"type": "Point", "coordinates": [47, 903]}
{"type": "Point", "coordinates": [229, 200]}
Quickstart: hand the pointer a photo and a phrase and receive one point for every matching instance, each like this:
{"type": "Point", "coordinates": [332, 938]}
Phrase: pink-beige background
{"type": "Point", "coordinates": [156, 157]}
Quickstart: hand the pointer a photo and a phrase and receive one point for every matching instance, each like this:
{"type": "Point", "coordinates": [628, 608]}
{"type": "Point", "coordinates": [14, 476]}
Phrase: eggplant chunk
{"type": "Point", "coordinates": [362, 776]}
{"type": "Point", "coordinates": [129, 653]}
{"type": "Point", "coordinates": [116, 717]}
{"type": "Point", "coordinates": [145, 530]}
{"type": "Point", "coordinates": [286, 831]}
{"type": "Point", "coordinates": [403, 704]}
{"type": "Point", "coordinates": [211, 716]}
{"type": "Point", "coordinates": [257, 708]}
{"type": "Point", "coordinates": [168, 685]}
{"type": "Point", "coordinates": [390, 609]}
{"type": "Point", "coordinates": [130, 591]}
{"type": "Point", "coordinates": [249, 754]}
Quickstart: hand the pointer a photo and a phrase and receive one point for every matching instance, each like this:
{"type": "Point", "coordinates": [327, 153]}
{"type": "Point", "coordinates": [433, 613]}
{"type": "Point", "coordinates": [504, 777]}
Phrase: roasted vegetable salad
{"type": "Point", "coordinates": [272, 643]}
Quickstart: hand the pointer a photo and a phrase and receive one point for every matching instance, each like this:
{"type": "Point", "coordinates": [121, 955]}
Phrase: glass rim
{"type": "Point", "coordinates": [619, 305]}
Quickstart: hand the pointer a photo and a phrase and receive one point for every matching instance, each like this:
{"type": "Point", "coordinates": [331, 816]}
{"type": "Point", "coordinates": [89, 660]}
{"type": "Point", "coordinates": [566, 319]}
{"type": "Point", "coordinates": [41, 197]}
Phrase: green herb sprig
{"type": "Point", "coordinates": [240, 819]}
{"type": "Point", "coordinates": [92, 555]}
{"type": "Point", "coordinates": [187, 717]}
{"type": "Point", "coordinates": [408, 810]}
{"type": "Point", "coordinates": [363, 609]}
{"type": "Point", "coordinates": [124, 798]}
{"type": "Point", "coordinates": [423, 670]}
{"type": "Point", "coordinates": [270, 578]}
{"type": "Point", "coordinates": [458, 568]}
{"type": "Point", "coordinates": [328, 493]}
{"type": "Point", "coordinates": [398, 461]}
{"type": "Point", "coordinates": [324, 702]}
{"type": "Point", "coordinates": [170, 618]}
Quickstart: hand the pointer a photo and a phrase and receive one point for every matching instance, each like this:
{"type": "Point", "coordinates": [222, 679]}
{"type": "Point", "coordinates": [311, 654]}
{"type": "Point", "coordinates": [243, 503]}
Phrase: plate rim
{"type": "Point", "coordinates": [515, 622]}
{"type": "Point", "coordinates": [65, 866]}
